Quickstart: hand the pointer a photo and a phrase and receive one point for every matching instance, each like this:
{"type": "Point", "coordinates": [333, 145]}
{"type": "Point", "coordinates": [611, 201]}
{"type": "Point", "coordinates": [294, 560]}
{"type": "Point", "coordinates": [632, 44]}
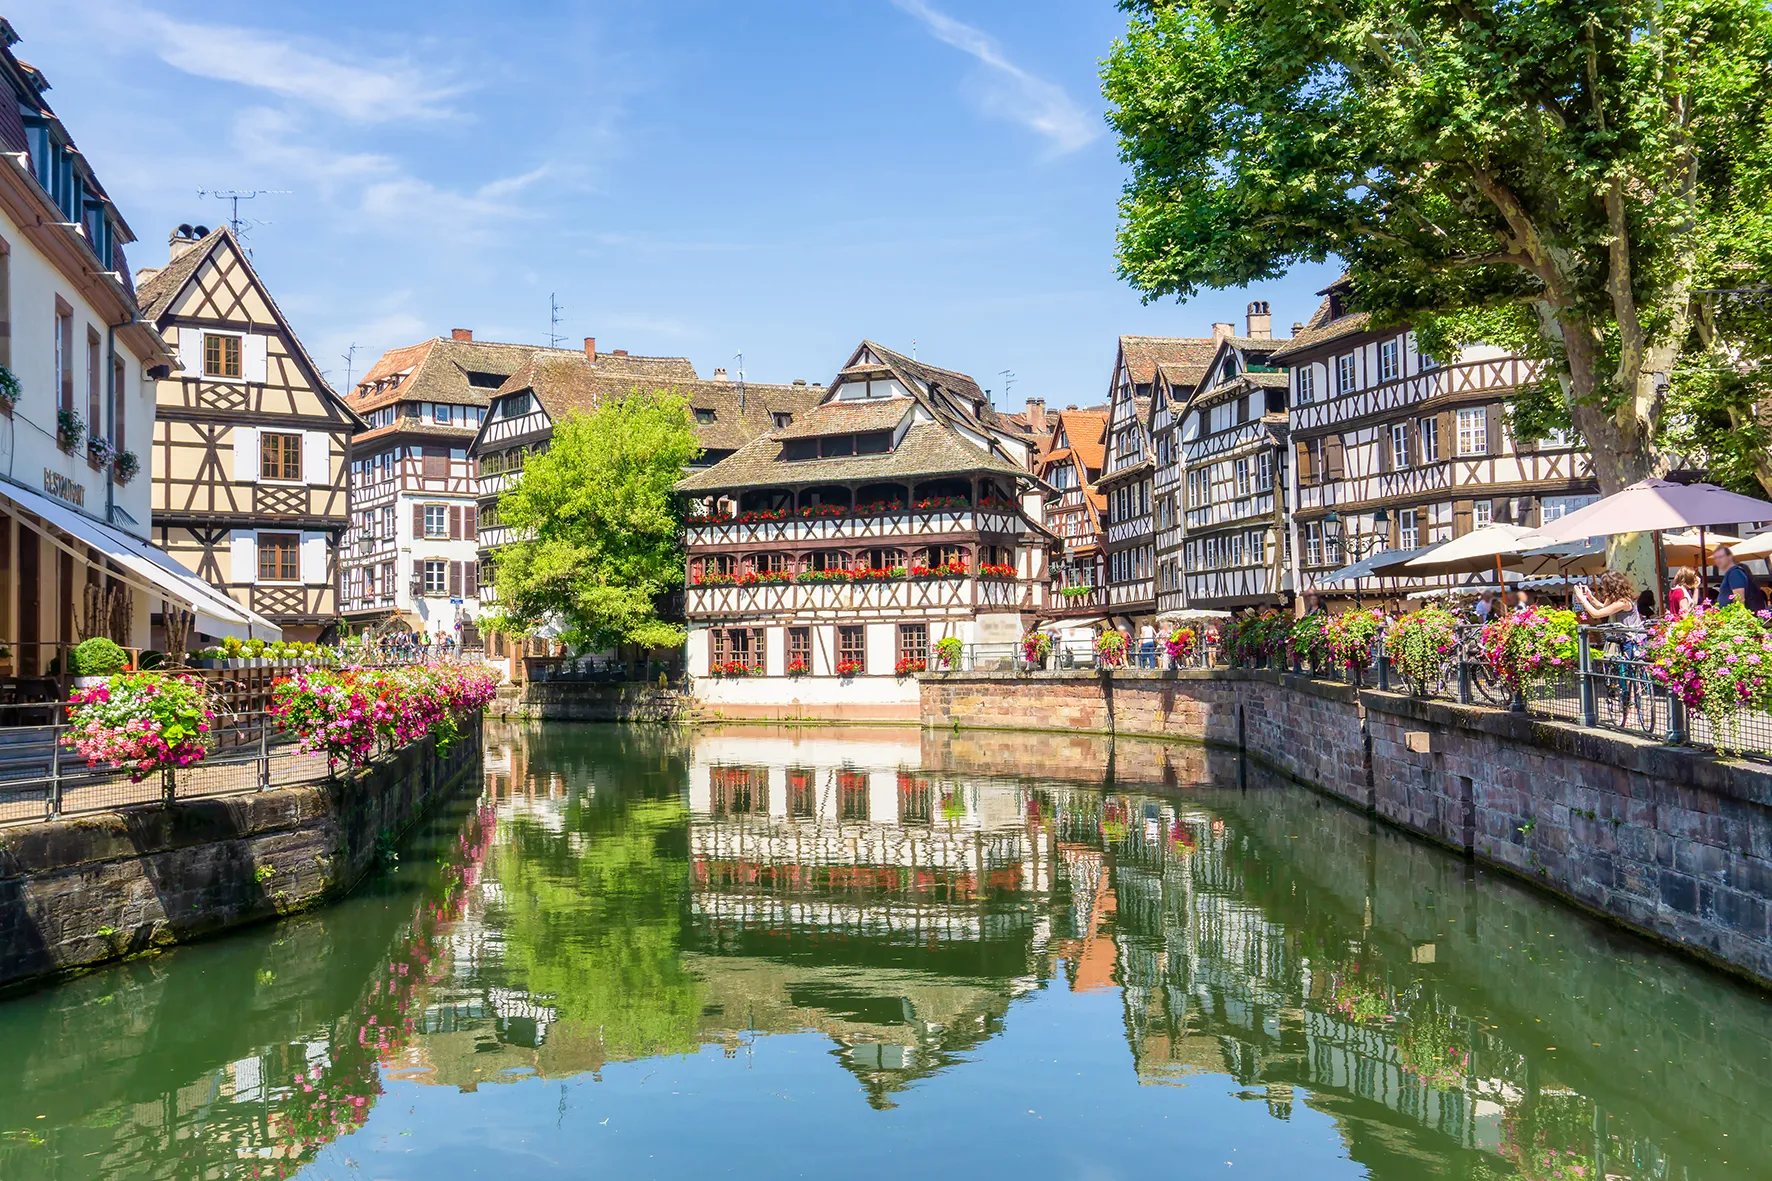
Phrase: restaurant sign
{"type": "Point", "coordinates": [62, 488]}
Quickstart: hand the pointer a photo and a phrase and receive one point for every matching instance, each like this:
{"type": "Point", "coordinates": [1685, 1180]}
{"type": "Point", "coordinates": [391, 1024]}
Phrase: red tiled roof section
{"type": "Point", "coordinates": [841, 418]}
{"type": "Point", "coordinates": [1183, 358]}
{"type": "Point", "coordinates": [1086, 433]}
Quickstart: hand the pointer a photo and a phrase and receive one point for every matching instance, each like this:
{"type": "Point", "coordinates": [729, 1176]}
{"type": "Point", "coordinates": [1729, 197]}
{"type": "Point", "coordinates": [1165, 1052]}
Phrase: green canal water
{"type": "Point", "coordinates": [878, 954]}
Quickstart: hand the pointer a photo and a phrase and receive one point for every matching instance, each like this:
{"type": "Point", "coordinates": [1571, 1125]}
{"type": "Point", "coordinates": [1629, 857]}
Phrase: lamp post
{"type": "Point", "coordinates": [1359, 546]}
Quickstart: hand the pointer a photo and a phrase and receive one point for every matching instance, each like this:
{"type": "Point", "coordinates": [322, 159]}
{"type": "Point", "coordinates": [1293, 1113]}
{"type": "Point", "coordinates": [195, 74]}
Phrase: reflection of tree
{"type": "Point", "coordinates": [591, 916]}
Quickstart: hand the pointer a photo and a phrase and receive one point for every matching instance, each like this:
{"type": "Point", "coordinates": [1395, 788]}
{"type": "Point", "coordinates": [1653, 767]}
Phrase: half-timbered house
{"type": "Point", "coordinates": [829, 557]}
{"type": "Point", "coordinates": [1072, 465]}
{"type": "Point", "coordinates": [726, 414]}
{"type": "Point", "coordinates": [412, 561]}
{"type": "Point", "coordinates": [1396, 450]}
{"type": "Point", "coordinates": [77, 367]}
{"type": "Point", "coordinates": [1231, 440]}
{"type": "Point", "coordinates": [251, 445]}
{"type": "Point", "coordinates": [1142, 366]}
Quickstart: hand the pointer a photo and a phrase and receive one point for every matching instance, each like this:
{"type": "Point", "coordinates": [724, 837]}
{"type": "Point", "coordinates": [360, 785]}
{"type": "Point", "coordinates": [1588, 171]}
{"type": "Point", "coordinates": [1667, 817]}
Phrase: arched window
{"type": "Point", "coordinates": [827, 559]}
{"type": "Point", "coordinates": [880, 559]}
{"type": "Point", "coordinates": [768, 563]}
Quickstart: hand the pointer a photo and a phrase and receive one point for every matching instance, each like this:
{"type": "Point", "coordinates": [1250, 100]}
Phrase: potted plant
{"type": "Point", "coordinates": [1308, 641]}
{"type": "Point", "coordinates": [1716, 660]}
{"type": "Point", "coordinates": [70, 428]}
{"type": "Point", "coordinates": [1350, 636]}
{"type": "Point", "coordinates": [125, 467]}
{"type": "Point", "coordinates": [140, 722]}
{"type": "Point", "coordinates": [797, 667]}
{"type": "Point", "coordinates": [1035, 648]}
{"type": "Point", "coordinates": [1528, 647]}
{"type": "Point", "coordinates": [92, 661]}
{"type": "Point", "coordinates": [10, 390]}
{"type": "Point", "coordinates": [5, 660]}
{"type": "Point", "coordinates": [1110, 650]}
{"type": "Point", "coordinates": [949, 651]}
{"type": "Point", "coordinates": [848, 668]}
{"type": "Point", "coordinates": [99, 452]}
{"type": "Point", "coordinates": [1180, 644]}
{"type": "Point", "coordinates": [909, 665]}
{"type": "Point", "coordinates": [233, 652]}
{"type": "Point", "coordinates": [1419, 644]}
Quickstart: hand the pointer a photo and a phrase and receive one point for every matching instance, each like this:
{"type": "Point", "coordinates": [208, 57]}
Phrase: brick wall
{"type": "Point", "coordinates": [1669, 841]}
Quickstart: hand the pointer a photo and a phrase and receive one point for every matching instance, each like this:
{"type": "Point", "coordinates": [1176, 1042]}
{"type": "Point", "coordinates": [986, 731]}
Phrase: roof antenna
{"type": "Point", "coordinates": [350, 356]}
{"type": "Point", "coordinates": [1008, 376]}
{"type": "Point", "coordinates": [233, 197]}
{"type": "Point", "coordinates": [738, 359]}
{"type": "Point", "coordinates": [554, 310]}
{"type": "Point", "coordinates": [913, 348]}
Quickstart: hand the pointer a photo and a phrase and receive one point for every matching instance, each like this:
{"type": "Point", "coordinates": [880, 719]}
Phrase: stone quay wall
{"type": "Point", "coordinates": [80, 891]}
{"type": "Point", "coordinates": [1669, 841]}
{"type": "Point", "coordinates": [583, 701]}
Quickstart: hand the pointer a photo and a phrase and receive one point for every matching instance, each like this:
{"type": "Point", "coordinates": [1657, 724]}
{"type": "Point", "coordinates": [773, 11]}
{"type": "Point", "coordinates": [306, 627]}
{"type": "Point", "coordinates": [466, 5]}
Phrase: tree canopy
{"type": "Point", "coordinates": [1572, 176]}
{"type": "Point", "coordinates": [600, 526]}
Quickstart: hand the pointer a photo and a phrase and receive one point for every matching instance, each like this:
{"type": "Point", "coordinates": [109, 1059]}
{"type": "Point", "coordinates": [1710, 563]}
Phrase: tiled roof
{"type": "Point", "coordinates": [1086, 432]}
{"type": "Point", "coordinates": [1184, 358]}
{"type": "Point", "coordinates": [564, 384]}
{"type": "Point", "coordinates": [1323, 327]}
{"type": "Point", "coordinates": [157, 291]}
{"type": "Point", "coordinates": [927, 450]}
{"type": "Point", "coordinates": [437, 370]}
{"type": "Point", "coordinates": [840, 418]}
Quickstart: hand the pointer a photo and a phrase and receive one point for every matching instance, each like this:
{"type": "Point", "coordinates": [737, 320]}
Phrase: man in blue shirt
{"type": "Point", "coordinates": [1737, 585]}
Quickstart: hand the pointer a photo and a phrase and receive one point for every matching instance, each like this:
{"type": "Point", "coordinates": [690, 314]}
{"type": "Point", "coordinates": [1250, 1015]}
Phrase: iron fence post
{"type": "Point", "coordinates": [55, 774]}
{"type": "Point", "coordinates": [1676, 719]}
{"type": "Point", "coordinates": [1384, 670]}
{"type": "Point", "coordinates": [1464, 677]}
{"type": "Point", "coordinates": [264, 754]}
{"type": "Point", "coordinates": [1590, 709]}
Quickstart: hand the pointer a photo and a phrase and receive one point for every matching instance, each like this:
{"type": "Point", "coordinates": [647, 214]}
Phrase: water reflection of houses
{"type": "Point", "coordinates": [835, 887]}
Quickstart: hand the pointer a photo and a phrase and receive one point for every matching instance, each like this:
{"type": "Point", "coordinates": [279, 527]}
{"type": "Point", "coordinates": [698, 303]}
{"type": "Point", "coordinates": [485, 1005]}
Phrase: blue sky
{"type": "Point", "coordinates": [692, 177]}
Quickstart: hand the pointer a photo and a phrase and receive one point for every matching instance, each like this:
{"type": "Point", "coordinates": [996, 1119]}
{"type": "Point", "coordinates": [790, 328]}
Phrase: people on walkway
{"type": "Point", "coordinates": [1612, 599]}
{"type": "Point", "coordinates": [1147, 645]}
{"type": "Point", "coordinates": [1484, 607]}
{"type": "Point", "coordinates": [1738, 584]}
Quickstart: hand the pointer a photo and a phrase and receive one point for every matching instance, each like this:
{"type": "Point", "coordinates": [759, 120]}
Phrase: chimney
{"type": "Point", "coordinates": [182, 239]}
{"type": "Point", "coordinates": [720, 375]}
{"type": "Point", "coordinates": [1037, 413]}
{"type": "Point", "coordinates": [590, 348]}
{"type": "Point", "coordinates": [1261, 324]}
{"type": "Point", "coordinates": [1297, 327]}
{"type": "Point", "coordinates": [1220, 331]}
{"type": "Point", "coordinates": [618, 352]}
{"type": "Point", "coordinates": [461, 334]}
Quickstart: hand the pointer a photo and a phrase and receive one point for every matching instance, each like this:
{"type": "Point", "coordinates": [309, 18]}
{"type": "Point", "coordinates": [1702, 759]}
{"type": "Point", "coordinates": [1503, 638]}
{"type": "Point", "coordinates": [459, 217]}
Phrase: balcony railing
{"type": "Point", "coordinates": [892, 595]}
{"type": "Point", "coordinates": [911, 523]}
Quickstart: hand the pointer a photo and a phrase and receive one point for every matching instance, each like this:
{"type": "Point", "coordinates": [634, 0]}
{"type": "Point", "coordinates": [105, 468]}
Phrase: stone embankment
{"type": "Point", "coordinates": [1670, 841]}
{"type": "Point", "coordinates": [80, 891]}
{"type": "Point", "coordinates": [575, 701]}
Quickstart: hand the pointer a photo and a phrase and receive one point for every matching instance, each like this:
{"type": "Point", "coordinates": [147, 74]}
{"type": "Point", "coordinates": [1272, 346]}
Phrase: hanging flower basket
{"type": "Point", "coordinates": [1419, 645]}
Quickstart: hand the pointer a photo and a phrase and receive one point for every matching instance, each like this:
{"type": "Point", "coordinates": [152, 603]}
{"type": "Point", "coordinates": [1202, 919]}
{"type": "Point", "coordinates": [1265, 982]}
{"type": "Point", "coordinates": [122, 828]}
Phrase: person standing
{"type": "Point", "coordinates": [1684, 595]}
{"type": "Point", "coordinates": [1737, 585]}
{"type": "Point", "coordinates": [1484, 606]}
{"type": "Point", "coordinates": [1147, 645]}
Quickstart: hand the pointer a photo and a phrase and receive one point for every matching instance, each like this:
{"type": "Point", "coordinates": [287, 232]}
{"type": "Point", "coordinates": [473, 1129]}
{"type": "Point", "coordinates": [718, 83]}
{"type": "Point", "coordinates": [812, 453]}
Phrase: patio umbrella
{"type": "Point", "coordinates": [1692, 547]}
{"type": "Point", "coordinates": [1480, 549]}
{"type": "Point", "coordinates": [1368, 567]}
{"type": "Point", "coordinates": [1654, 505]}
{"type": "Point", "coordinates": [1757, 546]}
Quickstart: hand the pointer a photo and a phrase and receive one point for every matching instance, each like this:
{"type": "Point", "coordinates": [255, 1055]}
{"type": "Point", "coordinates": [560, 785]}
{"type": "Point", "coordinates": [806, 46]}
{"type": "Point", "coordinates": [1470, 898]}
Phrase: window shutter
{"type": "Point", "coordinates": [242, 556]}
{"type": "Point", "coordinates": [246, 455]}
{"type": "Point", "coordinates": [316, 456]}
{"type": "Point", "coordinates": [472, 528]}
{"type": "Point", "coordinates": [1306, 474]}
{"type": "Point", "coordinates": [190, 351]}
{"type": "Point", "coordinates": [1332, 458]}
{"type": "Point", "coordinates": [313, 558]}
{"type": "Point", "coordinates": [1492, 422]}
{"type": "Point", "coordinates": [455, 580]}
{"type": "Point", "coordinates": [418, 521]}
{"type": "Point", "coordinates": [418, 578]}
{"type": "Point", "coordinates": [1384, 449]}
{"type": "Point", "coordinates": [471, 586]}
{"type": "Point", "coordinates": [253, 362]}
{"type": "Point", "coordinates": [455, 522]}
{"type": "Point", "coordinates": [1447, 441]}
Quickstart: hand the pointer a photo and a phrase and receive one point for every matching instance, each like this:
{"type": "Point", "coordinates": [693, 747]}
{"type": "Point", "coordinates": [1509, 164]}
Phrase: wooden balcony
{"type": "Point", "coordinates": [857, 600]}
{"type": "Point", "coordinates": [886, 529]}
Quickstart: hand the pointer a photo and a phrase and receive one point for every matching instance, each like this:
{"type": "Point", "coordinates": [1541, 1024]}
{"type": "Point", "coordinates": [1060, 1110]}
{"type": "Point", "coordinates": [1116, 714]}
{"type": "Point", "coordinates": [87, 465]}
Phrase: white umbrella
{"type": "Point", "coordinates": [1654, 505]}
{"type": "Point", "coordinates": [1480, 549]}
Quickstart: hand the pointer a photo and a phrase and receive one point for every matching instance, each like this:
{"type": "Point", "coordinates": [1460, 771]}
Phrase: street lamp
{"type": "Point", "coordinates": [1360, 545]}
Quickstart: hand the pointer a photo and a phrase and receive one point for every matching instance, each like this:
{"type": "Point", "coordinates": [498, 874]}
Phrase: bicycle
{"type": "Point", "coordinates": [1625, 686]}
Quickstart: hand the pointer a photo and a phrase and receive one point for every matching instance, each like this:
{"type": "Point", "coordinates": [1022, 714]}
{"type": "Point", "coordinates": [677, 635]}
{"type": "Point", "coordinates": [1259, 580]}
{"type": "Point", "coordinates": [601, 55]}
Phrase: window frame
{"type": "Point", "coordinates": [442, 531]}
{"type": "Point", "coordinates": [1390, 360]}
{"type": "Point", "coordinates": [220, 367]}
{"type": "Point", "coordinates": [441, 589]}
{"type": "Point", "coordinates": [858, 650]}
{"type": "Point", "coordinates": [279, 441]}
{"type": "Point", "coordinates": [1478, 437]}
{"type": "Point", "coordinates": [278, 547]}
{"type": "Point", "coordinates": [913, 641]}
{"type": "Point", "coordinates": [1399, 445]}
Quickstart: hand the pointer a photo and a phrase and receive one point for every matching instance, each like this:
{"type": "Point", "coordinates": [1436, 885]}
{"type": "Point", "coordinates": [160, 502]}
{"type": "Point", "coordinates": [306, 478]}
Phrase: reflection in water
{"type": "Point", "coordinates": [1008, 961]}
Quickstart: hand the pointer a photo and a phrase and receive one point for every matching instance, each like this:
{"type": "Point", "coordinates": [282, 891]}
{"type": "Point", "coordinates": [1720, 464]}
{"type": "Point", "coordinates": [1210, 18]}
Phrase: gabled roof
{"type": "Point", "coordinates": [468, 372]}
{"type": "Point", "coordinates": [841, 418]}
{"type": "Point", "coordinates": [928, 450]}
{"type": "Point", "coordinates": [728, 416]}
{"type": "Point", "coordinates": [1085, 432]}
{"type": "Point", "coordinates": [1324, 326]}
{"type": "Point", "coordinates": [1183, 358]}
{"type": "Point", "coordinates": [161, 290]}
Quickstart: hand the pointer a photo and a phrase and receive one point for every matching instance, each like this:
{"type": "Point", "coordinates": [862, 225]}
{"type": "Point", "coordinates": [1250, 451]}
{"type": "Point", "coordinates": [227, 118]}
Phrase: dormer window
{"type": "Point", "coordinates": [440, 413]}
{"type": "Point", "coordinates": [514, 406]}
{"type": "Point", "coordinates": [781, 419]}
{"type": "Point", "coordinates": [703, 414]}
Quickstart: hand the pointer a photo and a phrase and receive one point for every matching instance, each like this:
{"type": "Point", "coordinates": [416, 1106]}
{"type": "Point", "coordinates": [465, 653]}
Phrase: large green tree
{"type": "Point", "coordinates": [1570, 175]}
{"type": "Point", "coordinates": [600, 524]}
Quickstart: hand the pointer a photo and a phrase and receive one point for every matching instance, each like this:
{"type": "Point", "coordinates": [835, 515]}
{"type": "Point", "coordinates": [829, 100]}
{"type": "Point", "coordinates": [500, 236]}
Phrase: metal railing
{"type": "Point", "coordinates": [1068, 656]}
{"type": "Point", "coordinates": [42, 778]}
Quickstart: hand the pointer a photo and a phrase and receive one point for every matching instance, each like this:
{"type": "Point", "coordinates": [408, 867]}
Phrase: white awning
{"type": "Point", "coordinates": [217, 614]}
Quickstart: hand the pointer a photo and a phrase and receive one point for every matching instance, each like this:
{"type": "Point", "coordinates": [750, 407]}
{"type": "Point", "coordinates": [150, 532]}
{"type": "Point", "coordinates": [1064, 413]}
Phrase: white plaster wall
{"type": "Point", "coordinates": [882, 646]}
{"type": "Point", "coordinates": [805, 694]}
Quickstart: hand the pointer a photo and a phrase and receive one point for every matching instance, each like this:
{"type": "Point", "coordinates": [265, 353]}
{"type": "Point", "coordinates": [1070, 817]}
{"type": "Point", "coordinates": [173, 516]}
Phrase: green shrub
{"type": "Point", "coordinates": [98, 657]}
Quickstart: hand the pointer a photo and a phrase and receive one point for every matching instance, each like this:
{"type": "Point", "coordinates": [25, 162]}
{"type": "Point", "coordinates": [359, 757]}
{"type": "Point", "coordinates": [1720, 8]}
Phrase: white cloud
{"type": "Point", "coordinates": [371, 92]}
{"type": "Point", "coordinates": [1014, 93]}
